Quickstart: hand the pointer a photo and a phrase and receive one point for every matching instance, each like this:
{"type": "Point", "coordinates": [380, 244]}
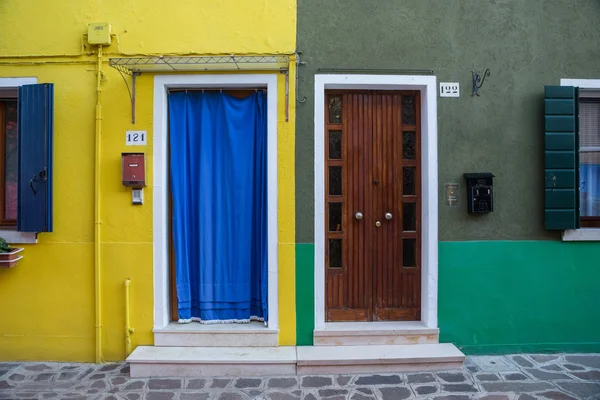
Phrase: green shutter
{"type": "Point", "coordinates": [561, 145]}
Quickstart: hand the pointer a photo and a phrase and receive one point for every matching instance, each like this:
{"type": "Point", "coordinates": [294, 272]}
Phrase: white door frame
{"type": "Point", "coordinates": [429, 177]}
{"type": "Point", "coordinates": [160, 190]}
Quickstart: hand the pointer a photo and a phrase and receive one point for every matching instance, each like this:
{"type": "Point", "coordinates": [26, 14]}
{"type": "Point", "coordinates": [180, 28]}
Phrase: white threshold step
{"type": "Point", "coordinates": [148, 361]}
{"type": "Point", "coordinates": [194, 334]}
{"type": "Point", "coordinates": [370, 359]}
{"type": "Point", "coordinates": [375, 333]}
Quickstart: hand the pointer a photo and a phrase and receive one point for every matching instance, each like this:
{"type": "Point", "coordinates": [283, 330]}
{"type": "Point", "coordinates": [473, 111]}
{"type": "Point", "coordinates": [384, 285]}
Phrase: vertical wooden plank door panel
{"type": "Point", "coordinates": [372, 159]}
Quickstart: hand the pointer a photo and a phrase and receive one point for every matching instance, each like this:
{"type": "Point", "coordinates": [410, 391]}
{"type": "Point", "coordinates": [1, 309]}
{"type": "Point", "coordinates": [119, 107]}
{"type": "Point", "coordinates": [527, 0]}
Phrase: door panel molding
{"type": "Point", "coordinates": [427, 87]}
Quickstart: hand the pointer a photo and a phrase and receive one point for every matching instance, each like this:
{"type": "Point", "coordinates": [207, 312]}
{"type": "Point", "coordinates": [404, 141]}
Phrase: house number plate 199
{"type": "Point", "coordinates": [135, 138]}
{"type": "Point", "coordinates": [449, 89]}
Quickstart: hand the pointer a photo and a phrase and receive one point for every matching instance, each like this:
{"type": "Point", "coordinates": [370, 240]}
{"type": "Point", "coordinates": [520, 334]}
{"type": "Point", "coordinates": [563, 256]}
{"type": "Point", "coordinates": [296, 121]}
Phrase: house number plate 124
{"type": "Point", "coordinates": [135, 138]}
{"type": "Point", "coordinates": [449, 89]}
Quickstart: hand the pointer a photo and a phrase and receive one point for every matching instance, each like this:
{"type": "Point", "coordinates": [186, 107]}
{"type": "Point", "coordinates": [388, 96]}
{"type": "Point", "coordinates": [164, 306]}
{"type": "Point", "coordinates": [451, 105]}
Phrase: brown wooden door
{"type": "Point", "coordinates": [372, 168]}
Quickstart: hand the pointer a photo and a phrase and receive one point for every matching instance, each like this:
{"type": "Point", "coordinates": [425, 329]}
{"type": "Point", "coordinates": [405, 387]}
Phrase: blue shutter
{"type": "Point", "coordinates": [561, 140]}
{"type": "Point", "coordinates": [36, 126]}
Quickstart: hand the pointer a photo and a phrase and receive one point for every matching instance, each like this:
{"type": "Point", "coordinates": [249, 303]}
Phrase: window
{"type": "Point", "coordinates": [26, 150]}
{"type": "Point", "coordinates": [8, 159]}
{"type": "Point", "coordinates": [589, 158]}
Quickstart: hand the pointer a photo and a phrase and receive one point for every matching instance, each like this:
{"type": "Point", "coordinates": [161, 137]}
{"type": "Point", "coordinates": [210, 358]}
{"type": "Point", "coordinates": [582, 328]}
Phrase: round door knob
{"type": "Point", "coordinates": [378, 224]}
{"type": "Point", "coordinates": [388, 216]}
{"type": "Point", "coordinates": [358, 215]}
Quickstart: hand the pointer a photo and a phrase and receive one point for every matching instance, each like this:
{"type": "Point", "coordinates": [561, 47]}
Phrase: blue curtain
{"type": "Point", "coordinates": [218, 164]}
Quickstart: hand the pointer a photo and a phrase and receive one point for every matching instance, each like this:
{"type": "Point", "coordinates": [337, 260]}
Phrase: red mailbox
{"type": "Point", "coordinates": [134, 170]}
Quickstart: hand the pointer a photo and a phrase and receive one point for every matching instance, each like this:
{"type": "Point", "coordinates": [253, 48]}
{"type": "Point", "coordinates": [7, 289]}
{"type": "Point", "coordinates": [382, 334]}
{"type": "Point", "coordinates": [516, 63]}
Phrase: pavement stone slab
{"type": "Point", "coordinates": [543, 358]}
{"type": "Point", "coordinates": [378, 380]}
{"type": "Point", "coordinates": [283, 383]}
{"type": "Point", "coordinates": [425, 390]}
{"type": "Point", "coordinates": [394, 393]}
{"type": "Point", "coordinates": [591, 361]}
{"type": "Point", "coordinates": [551, 367]}
{"type": "Point", "coordinates": [494, 364]}
{"type": "Point", "coordinates": [515, 376]}
{"type": "Point", "coordinates": [420, 378]}
{"type": "Point", "coordinates": [592, 375]}
{"type": "Point", "coordinates": [486, 377]}
{"type": "Point", "coordinates": [581, 389]}
{"type": "Point", "coordinates": [281, 396]}
{"type": "Point", "coordinates": [343, 380]}
{"type": "Point", "coordinates": [555, 376]}
{"type": "Point", "coordinates": [546, 376]}
{"type": "Point", "coordinates": [452, 377]}
{"type": "Point", "coordinates": [555, 395]}
{"type": "Point", "coordinates": [522, 361]}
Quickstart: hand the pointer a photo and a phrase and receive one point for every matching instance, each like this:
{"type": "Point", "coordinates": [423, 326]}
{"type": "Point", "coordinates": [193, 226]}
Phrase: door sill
{"type": "Point", "coordinates": [375, 333]}
{"type": "Point", "coordinates": [254, 326]}
{"type": "Point", "coordinates": [253, 334]}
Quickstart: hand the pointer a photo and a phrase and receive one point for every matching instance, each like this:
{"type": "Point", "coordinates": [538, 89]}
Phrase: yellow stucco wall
{"type": "Point", "coordinates": [47, 306]}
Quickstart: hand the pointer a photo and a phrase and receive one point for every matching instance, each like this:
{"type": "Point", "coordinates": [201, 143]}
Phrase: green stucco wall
{"type": "Point", "coordinates": [501, 296]}
{"type": "Point", "coordinates": [526, 45]}
{"type": "Point", "coordinates": [505, 283]}
{"type": "Point", "coordinates": [525, 296]}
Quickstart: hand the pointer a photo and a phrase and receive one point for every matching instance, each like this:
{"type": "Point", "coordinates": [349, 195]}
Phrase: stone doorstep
{"type": "Point", "coordinates": [148, 361]}
{"type": "Point", "coordinates": [375, 333]}
{"type": "Point", "coordinates": [253, 334]}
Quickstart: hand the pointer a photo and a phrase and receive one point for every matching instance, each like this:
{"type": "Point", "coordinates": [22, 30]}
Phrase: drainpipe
{"type": "Point", "coordinates": [128, 329]}
{"type": "Point", "coordinates": [97, 271]}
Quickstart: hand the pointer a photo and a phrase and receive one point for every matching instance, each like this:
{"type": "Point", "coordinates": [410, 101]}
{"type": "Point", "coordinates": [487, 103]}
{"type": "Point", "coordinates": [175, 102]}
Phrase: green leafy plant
{"type": "Point", "coordinates": [4, 247]}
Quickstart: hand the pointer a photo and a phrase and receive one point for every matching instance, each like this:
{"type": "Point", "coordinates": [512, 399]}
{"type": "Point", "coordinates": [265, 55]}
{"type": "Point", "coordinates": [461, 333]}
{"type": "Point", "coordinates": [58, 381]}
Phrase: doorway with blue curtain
{"type": "Point", "coordinates": [218, 188]}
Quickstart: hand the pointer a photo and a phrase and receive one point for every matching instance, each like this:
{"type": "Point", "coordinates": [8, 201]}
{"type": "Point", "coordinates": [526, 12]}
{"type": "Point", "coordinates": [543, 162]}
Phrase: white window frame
{"type": "Point", "coordinates": [581, 234]}
{"type": "Point", "coordinates": [12, 236]}
{"type": "Point", "coordinates": [427, 86]}
{"type": "Point", "coordinates": [160, 184]}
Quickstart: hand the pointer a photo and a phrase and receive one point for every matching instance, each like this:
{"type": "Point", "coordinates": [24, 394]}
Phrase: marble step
{"type": "Point", "coordinates": [377, 358]}
{"type": "Point", "coordinates": [151, 361]}
{"type": "Point", "coordinates": [375, 333]}
{"type": "Point", "coordinates": [253, 334]}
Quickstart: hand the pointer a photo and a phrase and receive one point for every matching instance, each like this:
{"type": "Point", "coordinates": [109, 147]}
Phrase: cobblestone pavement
{"type": "Point", "coordinates": [518, 377]}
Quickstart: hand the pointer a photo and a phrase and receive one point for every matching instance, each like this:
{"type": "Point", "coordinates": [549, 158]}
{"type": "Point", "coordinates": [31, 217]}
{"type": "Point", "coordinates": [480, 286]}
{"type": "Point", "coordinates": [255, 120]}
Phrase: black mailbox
{"type": "Point", "coordinates": [480, 192]}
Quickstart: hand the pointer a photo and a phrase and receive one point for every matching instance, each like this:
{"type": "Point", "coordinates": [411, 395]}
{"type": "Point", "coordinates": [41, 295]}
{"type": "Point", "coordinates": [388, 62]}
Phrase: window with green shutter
{"type": "Point", "coordinates": [561, 137]}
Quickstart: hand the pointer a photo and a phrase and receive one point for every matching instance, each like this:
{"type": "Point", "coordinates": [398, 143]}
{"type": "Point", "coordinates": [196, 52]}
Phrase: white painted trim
{"type": "Point", "coordinates": [427, 85]}
{"type": "Point", "coordinates": [16, 82]}
{"type": "Point", "coordinates": [582, 234]}
{"type": "Point", "coordinates": [14, 237]}
{"type": "Point", "coordinates": [160, 211]}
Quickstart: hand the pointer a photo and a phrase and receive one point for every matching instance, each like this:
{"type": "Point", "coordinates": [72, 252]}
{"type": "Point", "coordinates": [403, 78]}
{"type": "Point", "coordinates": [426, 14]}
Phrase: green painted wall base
{"type": "Point", "coordinates": [305, 293]}
{"type": "Point", "coordinates": [500, 296]}
{"type": "Point", "coordinates": [524, 296]}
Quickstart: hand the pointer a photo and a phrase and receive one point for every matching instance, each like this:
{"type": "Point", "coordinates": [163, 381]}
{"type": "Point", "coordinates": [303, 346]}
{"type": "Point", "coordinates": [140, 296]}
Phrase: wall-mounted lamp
{"type": "Point", "coordinates": [478, 81]}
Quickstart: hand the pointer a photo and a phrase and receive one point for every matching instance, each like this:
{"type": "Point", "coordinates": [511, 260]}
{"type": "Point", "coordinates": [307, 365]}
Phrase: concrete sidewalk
{"type": "Point", "coordinates": [521, 377]}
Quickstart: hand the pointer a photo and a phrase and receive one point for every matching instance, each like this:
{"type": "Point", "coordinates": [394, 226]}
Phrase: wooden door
{"type": "Point", "coordinates": [372, 168]}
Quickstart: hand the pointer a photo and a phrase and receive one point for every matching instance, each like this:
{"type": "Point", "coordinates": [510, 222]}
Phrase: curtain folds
{"type": "Point", "coordinates": [218, 168]}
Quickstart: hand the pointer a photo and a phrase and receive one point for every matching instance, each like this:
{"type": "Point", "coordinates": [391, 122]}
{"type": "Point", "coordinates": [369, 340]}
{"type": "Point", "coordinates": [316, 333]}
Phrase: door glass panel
{"type": "Point", "coordinates": [335, 145]}
{"type": "Point", "coordinates": [335, 181]}
{"type": "Point", "coordinates": [408, 181]}
{"type": "Point", "coordinates": [335, 217]}
{"type": "Point", "coordinates": [11, 161]}
{"type": "Point", "coordinates": [408, 110]}
{"type": "Point", "coordinates": [335, 253]}
{"type": "Point", "coordinates": [409, 252]}
{"type": "Point", "coordinates": [409, 216]}
{"type": "Point", "coordinates": [335, 109]}
{"type": "Point", "coordinates": [408, 145]}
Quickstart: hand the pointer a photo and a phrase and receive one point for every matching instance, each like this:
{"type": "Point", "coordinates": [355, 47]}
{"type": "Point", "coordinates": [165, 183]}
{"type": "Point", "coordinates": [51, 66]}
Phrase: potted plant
{"type": "Point", "coordinates": [9, 256]}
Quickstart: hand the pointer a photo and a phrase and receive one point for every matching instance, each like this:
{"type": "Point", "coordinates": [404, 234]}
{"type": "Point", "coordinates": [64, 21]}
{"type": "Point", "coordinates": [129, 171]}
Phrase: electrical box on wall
{"type": "Point", "coordinates": [134, 170]}
{"type": "Point", "coordinates": [99, 33]}
{"type": "Point", "coordinates": [480, 192]}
